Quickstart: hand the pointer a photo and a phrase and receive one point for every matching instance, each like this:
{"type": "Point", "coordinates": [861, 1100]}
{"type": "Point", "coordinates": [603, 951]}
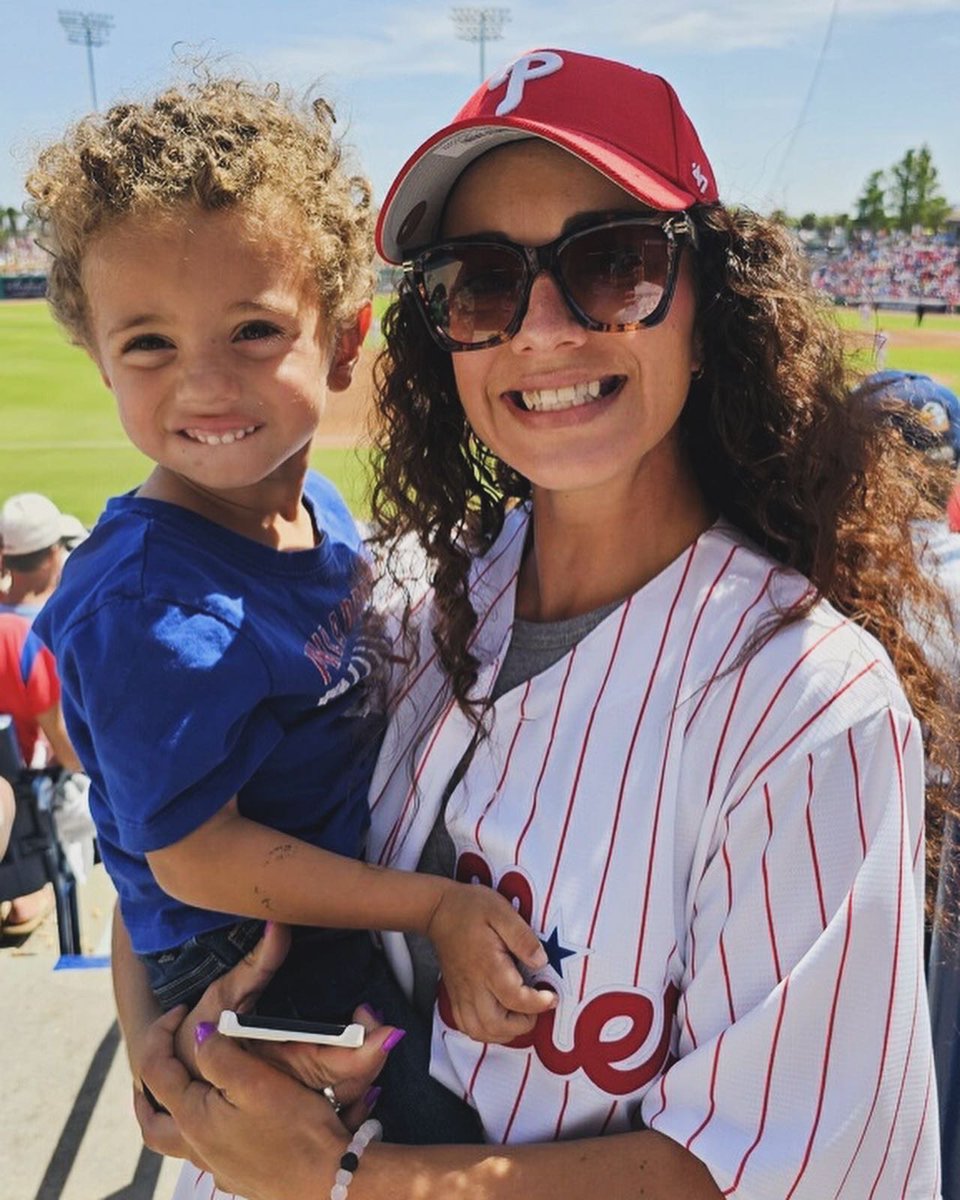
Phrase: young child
{"type": "Point", "coordinates": [213, 258]}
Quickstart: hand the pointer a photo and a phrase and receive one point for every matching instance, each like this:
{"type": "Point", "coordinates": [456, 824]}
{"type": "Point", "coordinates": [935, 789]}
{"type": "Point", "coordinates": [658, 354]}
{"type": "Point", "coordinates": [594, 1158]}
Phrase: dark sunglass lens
{"type": "Point", "coordinates": [472, 292]}
{"type": "Point", "coordinates": [616, 274]}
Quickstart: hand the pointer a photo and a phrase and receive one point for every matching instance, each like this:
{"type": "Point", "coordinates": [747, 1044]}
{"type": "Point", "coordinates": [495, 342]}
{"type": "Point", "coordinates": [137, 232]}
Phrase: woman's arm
{"type": "Point", "coordinates": [136, 1007]}
{"type": "Point", "coordinates": [274, 1140]}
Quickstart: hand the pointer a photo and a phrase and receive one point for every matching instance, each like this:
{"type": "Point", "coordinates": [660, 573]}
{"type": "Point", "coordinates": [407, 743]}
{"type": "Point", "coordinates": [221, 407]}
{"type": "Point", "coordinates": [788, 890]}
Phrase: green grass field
{"type": "Point", "coordinates": [61, 435]}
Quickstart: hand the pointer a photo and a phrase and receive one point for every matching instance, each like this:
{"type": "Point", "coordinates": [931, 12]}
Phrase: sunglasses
{"type": "Point", "coordinates": [616, 275]}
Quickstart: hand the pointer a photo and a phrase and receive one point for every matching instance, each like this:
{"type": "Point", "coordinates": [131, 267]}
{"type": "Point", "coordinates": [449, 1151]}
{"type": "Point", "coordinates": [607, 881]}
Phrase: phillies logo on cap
{"type": "Point", "coordinates": [519, 73]}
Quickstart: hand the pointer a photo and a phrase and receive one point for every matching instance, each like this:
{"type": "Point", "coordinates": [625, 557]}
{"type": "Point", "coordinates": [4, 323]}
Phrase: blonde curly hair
{"type": "Point", "coordinates": [214, 143]}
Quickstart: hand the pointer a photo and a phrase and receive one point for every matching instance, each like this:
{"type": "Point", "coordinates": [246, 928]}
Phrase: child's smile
{"type": "Point", "coordinates": [225, 438]}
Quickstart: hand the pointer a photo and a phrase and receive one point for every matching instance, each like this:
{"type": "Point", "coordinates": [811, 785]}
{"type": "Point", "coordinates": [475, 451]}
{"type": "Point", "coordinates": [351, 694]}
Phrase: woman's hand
{"type": "Point", "coordinates": [349, 1072]}
{"type": "Point", "coordinates": [257, 1130]}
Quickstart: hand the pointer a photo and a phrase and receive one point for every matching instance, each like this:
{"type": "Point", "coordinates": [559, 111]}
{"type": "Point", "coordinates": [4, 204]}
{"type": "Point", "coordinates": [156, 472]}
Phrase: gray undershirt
{"type": "Point", "coordinates": [534, 646]}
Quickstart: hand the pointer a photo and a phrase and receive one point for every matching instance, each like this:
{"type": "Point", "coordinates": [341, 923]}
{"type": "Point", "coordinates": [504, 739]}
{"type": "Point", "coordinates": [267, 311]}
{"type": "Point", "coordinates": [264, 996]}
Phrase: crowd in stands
{"type": "Point", "coordinates": [893, 267]}
{"type": "Point", "coordinates": [22, 254]}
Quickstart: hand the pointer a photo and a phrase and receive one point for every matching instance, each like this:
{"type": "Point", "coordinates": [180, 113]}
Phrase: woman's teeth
{"type": "Point", "coordinates": [552, 399]}
{"type": "Point", "coordinates": [219, 439]}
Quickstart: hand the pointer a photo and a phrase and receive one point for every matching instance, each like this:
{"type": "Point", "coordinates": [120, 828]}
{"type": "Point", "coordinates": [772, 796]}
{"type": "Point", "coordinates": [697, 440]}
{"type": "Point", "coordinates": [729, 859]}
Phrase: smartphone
{"type": "Point", "coordinates": [283, 1029]}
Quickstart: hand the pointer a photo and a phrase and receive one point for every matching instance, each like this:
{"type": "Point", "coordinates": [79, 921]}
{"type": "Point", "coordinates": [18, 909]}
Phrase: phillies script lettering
{"type": "Point", "coordinates": [598, 1057]}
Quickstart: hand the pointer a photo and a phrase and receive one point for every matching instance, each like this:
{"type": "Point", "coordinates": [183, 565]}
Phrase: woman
{"type": "Point", "coordinates": [644, 703]}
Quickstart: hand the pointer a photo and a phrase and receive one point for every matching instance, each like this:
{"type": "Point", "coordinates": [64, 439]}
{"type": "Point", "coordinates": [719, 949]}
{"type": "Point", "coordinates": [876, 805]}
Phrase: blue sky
{"type": "Point", "coordinates": [889, 78]}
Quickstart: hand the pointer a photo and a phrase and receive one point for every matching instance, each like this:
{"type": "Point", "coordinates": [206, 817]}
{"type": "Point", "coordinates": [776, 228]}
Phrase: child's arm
{"type": "Point", "coordinates": [234, 865]}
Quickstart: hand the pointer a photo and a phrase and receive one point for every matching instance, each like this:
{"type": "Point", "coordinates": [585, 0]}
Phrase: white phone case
{"type": "Point", "coordinates": [276, 1029]}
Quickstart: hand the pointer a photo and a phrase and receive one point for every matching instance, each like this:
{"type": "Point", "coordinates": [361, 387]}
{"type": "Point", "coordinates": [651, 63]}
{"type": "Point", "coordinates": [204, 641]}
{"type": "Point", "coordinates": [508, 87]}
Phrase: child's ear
{"type": "Point", "coordinates": [347, 349]}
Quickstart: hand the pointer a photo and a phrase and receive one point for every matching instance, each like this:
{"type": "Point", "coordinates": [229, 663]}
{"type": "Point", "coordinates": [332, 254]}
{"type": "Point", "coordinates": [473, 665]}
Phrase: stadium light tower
{"type": "Point", "coordinates": [480, 25]}
{"type": "Point", "coordinates": [87, 29]}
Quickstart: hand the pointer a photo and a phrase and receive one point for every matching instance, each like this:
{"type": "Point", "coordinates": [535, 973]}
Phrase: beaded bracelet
{"type": "Point", "coordinates": [370, 1131]}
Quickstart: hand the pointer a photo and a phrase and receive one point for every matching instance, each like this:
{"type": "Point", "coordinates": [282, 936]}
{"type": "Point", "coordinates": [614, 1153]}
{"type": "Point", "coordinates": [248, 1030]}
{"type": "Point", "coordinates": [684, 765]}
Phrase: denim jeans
{"type": "Point", "coordinates": [183, 974]}
{"type": "Point", "coordinates": [325, 976]}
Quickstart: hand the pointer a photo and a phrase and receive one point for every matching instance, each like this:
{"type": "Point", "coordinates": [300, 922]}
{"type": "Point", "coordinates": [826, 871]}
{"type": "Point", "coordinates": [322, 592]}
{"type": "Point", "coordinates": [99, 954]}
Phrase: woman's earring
{"type": "Point", "coordinates": [697, 373]}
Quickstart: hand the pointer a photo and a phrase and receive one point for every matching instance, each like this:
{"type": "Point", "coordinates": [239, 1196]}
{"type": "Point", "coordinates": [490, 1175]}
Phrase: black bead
{"type": "Point", "coordinates": [349, 1162]}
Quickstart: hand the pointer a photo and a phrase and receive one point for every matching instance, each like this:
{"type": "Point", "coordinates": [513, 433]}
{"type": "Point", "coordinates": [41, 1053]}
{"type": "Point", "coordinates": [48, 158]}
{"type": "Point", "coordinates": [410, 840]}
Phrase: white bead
{"type": "Point", "coordinates": [338, 1192]}
{"type": "Point", "coordinates": [343, 1177]}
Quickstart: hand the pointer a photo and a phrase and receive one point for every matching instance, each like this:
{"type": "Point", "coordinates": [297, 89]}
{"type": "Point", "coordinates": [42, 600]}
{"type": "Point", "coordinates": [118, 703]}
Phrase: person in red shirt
{"type": "Point", "coordinates": [30, 695]}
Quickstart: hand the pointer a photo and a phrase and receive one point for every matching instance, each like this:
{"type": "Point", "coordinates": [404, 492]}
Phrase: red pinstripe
{"type": "Point", "coordinates": [721, 941]}
{"type": "Point", "coordinates": [728, 721]}
{"type": "Point", "coordinates": [662, 1087]}
{"type": "Point", "coordinates": [766, 1092]}
{"type": "Point", "coordinates": [741, 679]}
{"type": "Point", "coordinates": [780, 688]}
{"type": "Point", "coordinates": [716, 672]}
{"type": "Point", "coordinates": [558, 1128]}
{"type": "Point", "coordinates": [535, 799]}
{"type": "Point", "coordinates": [813, 845]}
{"type": "Point", "coordinates": [771, 927]}
{"type": "Point", "coordinates": [464, 1092]}
{"type": "Point", "coordinates": [476, 1069]}
{"type": "Point", "coordinates": [506, 766]}
{"type": "Point", "coordinates": [713, 1093]}
{"type": "Point", "coordinates": [516, 1103]}
{"type": "Point", "coordinates": [576, 778]}
{"type": "Point", "coordinates": [828, 1047]}
{"type": "Point", "coordinates": [691, 1032]}
{"type": "Point", "coordinates": [804, 727]}
{"type": "Point", "coordinates": [918, 847]}
{"type": "Point", "coordinates": [920, 1128]}
{"type": "Point", "coordinates": [903, 1081]}
{"type": "Point", "coordinates": [608, 1118]}
{"type": "Point", "coordinates": [893, 972]}
{"type": "Point", "coordinates": [858, 795]}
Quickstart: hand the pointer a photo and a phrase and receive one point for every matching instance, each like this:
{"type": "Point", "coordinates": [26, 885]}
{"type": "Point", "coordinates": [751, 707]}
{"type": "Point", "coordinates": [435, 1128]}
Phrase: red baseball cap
{"type": "Point", "coordinates": [624, 122]}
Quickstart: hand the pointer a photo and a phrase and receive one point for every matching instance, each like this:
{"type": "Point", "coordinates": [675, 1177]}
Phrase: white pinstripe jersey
{"type": "Point", "coordinates": [724, 860]}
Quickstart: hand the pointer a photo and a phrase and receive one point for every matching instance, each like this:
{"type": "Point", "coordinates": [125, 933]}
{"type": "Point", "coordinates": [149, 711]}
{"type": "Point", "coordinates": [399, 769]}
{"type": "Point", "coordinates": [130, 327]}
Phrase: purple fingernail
{"type": "Point", "coordinates": [392, 1039]}
{"type": "Point", "coordinates": [371, 1011]}
{"type": "Point", "coordinates": [203, 1031]}
{"type": "Point", "coordinates": [371, 1098]}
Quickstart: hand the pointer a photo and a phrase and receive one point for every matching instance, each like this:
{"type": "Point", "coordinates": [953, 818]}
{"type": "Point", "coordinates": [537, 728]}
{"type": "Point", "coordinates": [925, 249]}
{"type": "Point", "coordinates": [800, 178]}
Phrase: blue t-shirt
{"type": "Point", "coordinates": [196, 665]}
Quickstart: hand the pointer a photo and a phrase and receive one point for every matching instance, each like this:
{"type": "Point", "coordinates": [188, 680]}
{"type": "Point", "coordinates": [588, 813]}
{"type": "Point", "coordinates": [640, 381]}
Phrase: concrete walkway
{"type": "Point", "coordinates": [67, 1128]}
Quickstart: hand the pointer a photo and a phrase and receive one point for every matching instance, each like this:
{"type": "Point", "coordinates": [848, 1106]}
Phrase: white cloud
{"type": "Point", "coordinates": [415, 40]}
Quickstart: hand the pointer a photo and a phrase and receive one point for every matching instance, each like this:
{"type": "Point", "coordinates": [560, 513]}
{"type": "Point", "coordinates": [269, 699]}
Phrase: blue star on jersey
{"type": "Point", "coordinates": [555, 952]}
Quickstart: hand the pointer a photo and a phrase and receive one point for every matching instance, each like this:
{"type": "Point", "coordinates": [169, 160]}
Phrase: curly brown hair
{"type": "Point", "coordinates": [214, 143]}
{"type": "Point", "coordinates": [779, 446]}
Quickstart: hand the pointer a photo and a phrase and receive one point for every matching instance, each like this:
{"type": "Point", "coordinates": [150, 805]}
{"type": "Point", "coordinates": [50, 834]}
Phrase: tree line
{"type": "Point", "coordinates": [905, 196]}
